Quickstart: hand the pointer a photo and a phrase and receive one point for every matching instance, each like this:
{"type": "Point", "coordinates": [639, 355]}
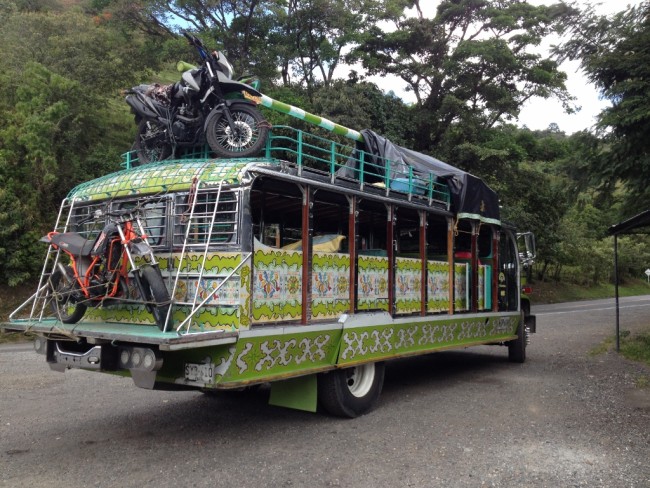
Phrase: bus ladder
{"type": "Point", "coordinates": [205, 220]}
{"type": "Point", "coordinates": [49, 266]}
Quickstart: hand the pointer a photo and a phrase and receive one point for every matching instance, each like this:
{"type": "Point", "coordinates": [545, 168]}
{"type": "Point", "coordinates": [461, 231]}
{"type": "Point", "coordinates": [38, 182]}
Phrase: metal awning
{"type": "Point", "coordinates": [639, 224]}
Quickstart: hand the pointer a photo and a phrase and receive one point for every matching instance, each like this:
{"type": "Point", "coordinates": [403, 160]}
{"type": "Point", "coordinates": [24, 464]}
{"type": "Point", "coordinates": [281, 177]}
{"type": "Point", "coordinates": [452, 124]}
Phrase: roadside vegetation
{"type": "Point", "coordinates": [633, 346]}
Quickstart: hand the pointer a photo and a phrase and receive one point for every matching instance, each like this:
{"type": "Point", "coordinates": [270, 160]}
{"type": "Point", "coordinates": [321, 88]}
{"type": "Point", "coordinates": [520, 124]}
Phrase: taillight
{"type": "Point", "coordinates": [527, 290]}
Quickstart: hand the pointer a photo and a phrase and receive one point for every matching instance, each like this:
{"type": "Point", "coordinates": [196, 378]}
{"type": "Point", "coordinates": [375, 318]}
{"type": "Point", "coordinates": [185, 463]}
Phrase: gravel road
{"type": "Point", "coordinates": [452, 419]}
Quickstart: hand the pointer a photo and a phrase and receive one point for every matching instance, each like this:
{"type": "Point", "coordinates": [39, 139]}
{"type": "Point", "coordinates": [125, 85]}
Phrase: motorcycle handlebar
{"type": "Point", "coordinates": [195, 41]}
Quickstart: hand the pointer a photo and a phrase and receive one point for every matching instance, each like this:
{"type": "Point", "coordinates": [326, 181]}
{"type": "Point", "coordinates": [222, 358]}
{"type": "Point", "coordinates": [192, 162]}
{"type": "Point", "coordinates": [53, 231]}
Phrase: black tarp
{"type": "Point", "coordinates": [470, 197]}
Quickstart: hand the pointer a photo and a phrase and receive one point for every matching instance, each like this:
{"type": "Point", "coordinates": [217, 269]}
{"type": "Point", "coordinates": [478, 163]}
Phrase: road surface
{"type": "Point", "coordinates": [462, 418]}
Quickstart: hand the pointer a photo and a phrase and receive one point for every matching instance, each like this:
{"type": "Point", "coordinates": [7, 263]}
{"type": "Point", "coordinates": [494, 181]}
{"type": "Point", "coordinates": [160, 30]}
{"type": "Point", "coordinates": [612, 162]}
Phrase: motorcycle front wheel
{"type": "Point", "coordinates": [156, 295]}
{"type": "Point", "coordinates": [65, 297]}
{"type": "Point", "coordinates": [151, 143]}
{"type": "Point", "coordinates": [246, 140]}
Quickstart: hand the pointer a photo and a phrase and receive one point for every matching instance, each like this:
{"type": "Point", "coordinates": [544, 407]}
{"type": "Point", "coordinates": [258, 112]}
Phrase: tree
{"type": "Point", "coordinates": [74, 45]}
{"type": "Point", "coordinates": [471, 68]}
{"type": "Point", "coordinates": [301, 41]}
{"type": "Point", "coordinates": [61, 125]}
{"type": "Point", "coordinates": [613, 53]}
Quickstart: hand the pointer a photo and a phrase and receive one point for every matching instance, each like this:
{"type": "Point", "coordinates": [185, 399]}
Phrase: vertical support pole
{"type": "Point", "coordinates": [423, 263]}
{"type": "Point", "coordinates": [307, 231]}
{"type": "Point", "coordinates": [618, 324]}
{"type": "Point", "coordinates": [495, 269]}
{"type": "Point", "coordinates": [352, 246]}
{"type": "Point", "coordinates": [450, 260]}
{"type": "Point", "coordinates": [474, 264]}
{"type": "Point", "coordinates": [390, 251]}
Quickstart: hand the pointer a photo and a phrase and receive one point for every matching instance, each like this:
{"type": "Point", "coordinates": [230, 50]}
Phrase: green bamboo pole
{"type": "Point", "coordinates": [299, 113]}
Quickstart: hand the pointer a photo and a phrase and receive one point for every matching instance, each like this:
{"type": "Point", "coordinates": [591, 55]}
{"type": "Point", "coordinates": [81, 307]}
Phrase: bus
{"type": "Point", "coordinates": [307, 268]}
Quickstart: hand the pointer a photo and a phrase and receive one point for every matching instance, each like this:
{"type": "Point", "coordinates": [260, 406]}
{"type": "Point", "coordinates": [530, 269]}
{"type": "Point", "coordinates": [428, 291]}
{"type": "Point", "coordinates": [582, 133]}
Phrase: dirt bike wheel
{"type": "Point", "coordinates": [248, 138]}
{"type": "Point", "coordinates": [64, 297]}
{"type": "Point", "coordinates": [150, 143]}
{"type": "Point", "coordinates": [156, 295]}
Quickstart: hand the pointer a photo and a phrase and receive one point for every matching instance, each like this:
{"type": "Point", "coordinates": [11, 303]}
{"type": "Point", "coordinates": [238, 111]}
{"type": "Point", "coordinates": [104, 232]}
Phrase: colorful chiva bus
{"type": "Point", "coordinates": [306, 268]}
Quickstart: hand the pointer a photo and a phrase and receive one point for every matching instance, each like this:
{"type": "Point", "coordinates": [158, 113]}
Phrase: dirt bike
{"type": "Point", "coordinates": [98, 272]}
{"type": "Point", "coordinates": [207, 104]}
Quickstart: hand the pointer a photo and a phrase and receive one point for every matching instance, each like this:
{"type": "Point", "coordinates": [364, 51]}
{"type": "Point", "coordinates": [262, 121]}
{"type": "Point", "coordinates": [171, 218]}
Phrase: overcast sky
{"type": "Point", "coordinates": [537, 114]}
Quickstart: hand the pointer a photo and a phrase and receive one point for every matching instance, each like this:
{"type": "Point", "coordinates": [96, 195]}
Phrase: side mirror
{"type": "Point", "coordinates": [526, 245]}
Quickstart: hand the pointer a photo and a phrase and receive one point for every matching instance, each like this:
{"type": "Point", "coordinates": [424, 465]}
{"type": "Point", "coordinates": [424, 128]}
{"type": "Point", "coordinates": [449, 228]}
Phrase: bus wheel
{"type": "Point", "coordinates": [351, 392]}
{"type": "Point", "coordinates": [517, 347]}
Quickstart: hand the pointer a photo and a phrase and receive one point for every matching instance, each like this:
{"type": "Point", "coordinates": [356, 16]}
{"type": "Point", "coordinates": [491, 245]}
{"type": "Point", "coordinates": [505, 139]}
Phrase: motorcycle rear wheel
{"type": "Point", "coordinates": [151, 143]}
{"type": "Point", "coordinates": [248, 138]}
{"type": "Point", "coordinates": [65, 297]}
{"type": "Point", "coordinates": [156, 295]}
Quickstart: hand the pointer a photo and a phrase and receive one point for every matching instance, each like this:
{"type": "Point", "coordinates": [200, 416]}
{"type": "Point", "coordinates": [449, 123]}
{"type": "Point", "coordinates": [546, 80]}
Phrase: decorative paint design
{"type": "Point", "coordinates": [372, 283]}
{"type": "Point", "coordinates": [277, 284]}
{"type": "Point", "coordinates": [268, 357]}
{"type": "Point", "coordinates": [220, 263]}
{"type": "Point", "coordinates": [484, 287]}
{"type": "Point", "coordinates": [282, 355]}
{"type": "Point", "coordinates": [437, 286]}
{"type": "Point", "coordinates": [330, 285]}
{"type": "Point", "coordinates": [461, 286]}
{"type": "Point", "coordinates": [221, 312]}
{"type": "Point", "coordinates": [391, 340]}
{"type": "Point", "coordinates": [165, 176]}
{"type": "Point", "coordinates": [408, 285]}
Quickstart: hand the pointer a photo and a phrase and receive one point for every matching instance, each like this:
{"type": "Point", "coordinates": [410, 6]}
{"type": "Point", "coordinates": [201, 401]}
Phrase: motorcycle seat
{"type": "Point", "coordinates": [73, 243]}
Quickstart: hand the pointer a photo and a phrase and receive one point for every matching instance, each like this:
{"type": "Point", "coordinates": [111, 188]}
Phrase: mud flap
{"type": "Point", "coordinates": [297, 393]}
{"type": "Point", "coordinates": [531, 323]}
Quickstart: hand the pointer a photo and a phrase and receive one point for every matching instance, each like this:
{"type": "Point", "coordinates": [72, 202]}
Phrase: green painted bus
{"type": "Point", "coordinates": [307, 268]}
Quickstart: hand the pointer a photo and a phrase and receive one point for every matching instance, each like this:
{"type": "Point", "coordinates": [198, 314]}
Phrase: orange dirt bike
{"type": "Point", "coordinates": [100, 269]}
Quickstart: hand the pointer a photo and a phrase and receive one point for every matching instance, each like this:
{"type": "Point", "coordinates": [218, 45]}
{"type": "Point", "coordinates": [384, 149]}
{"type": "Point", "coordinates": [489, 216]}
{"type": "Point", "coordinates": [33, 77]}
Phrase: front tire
{"type": "Point", "coordinates": [248, 138]}
{"type": "Point", "coordinates": [66, 298]}
{"type": "Point", "coordinates": [151, 143]}
{"type": "Point", "coordinates": [351, 392]}
{"type": "Point", "coordinates": [517, 347]}
{"type": "Point", "coordinates": [156, 295]}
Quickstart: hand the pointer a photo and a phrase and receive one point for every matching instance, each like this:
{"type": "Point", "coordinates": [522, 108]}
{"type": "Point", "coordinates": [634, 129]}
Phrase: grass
{"type": "Point", "coordinates": [10, 299]}
{"type": "Point", "coordinates": [557, 292]}
{"type": "Point", "coordinates": [635, 347]}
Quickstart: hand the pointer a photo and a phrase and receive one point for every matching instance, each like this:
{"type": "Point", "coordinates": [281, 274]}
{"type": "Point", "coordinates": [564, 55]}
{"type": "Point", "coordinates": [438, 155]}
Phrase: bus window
{"type": "Point", "coordinates": [508, 292]}
{"type": "Point", "coordinates": [330, 259]}
{"type": "Point", "coordinates": [438, 272]}
{"type": "Point", "coordinates": [372, 256]}
{"type": "Point", "coordinates": [408, 262]}
{"type": "Point", "coordinates": [276, 211]}
{"type": "Point", "coordinates": [205, 217]}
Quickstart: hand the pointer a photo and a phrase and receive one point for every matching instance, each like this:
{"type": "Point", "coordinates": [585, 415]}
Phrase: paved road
{"type": "Point", "coordinates": [464, 418]}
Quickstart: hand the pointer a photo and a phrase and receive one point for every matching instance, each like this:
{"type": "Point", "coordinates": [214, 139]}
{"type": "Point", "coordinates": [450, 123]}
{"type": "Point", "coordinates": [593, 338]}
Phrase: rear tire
{"type": "Point", "coordinates": [248, 138]}
{"type": "Point", "coordinates": [352, 391]}
{"type": "Point", "coordinates": [151, 143]}
{"type": "Point", "coordinates": [156, 295]}
{"type": "Point", "coordinates": [65, 297]}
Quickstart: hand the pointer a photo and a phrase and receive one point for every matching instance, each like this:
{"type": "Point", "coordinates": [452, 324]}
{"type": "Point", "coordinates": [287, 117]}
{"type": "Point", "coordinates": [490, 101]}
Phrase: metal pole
{"type": "Point", "coordinates": [299, 113]}
{"type": "Point", "coordinates": [618, 343]}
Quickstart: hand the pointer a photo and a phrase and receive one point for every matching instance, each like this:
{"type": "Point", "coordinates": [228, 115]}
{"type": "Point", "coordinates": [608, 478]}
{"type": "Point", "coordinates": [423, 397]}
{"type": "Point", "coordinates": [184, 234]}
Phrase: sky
{"type": "Point", "coordinates": [538, 114]}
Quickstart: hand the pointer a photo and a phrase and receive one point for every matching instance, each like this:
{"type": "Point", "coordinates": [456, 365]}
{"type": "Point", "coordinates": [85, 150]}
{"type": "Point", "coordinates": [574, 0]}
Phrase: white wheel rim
{"type": "Point", "coordinates": [360, 379]}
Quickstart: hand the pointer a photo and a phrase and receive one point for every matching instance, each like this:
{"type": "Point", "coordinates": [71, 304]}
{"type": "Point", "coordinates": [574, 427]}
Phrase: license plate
{"type": "Point", "coordinates": [199, 372]}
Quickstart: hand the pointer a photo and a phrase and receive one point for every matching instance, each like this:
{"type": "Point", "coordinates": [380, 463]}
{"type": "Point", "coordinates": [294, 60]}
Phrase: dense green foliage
{"type": "Point", "coordinates": [471, 68]}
